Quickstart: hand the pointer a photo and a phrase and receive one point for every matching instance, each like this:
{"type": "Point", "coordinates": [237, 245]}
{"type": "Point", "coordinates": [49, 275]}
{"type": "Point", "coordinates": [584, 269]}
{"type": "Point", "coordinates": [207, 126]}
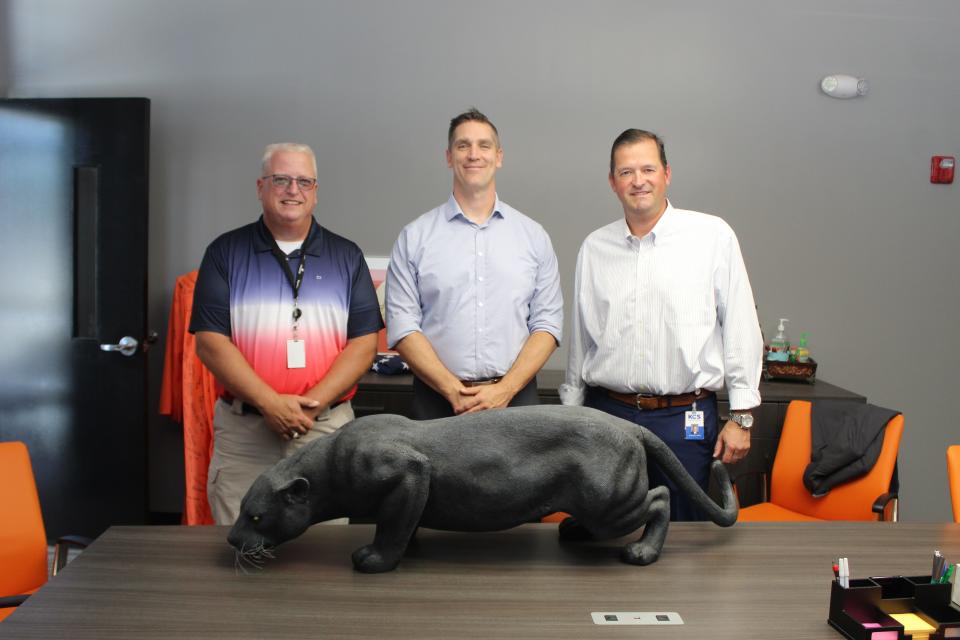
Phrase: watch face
{"type": "Point", "coordinates": [745, 420]}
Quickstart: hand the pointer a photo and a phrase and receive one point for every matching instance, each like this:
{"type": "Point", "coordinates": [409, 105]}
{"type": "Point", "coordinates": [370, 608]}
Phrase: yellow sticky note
{"type": "Point", "coordinates": [914, 625]}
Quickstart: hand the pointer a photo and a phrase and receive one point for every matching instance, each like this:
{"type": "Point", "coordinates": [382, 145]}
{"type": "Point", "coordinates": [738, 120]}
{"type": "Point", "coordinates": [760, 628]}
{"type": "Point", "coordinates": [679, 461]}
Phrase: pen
{"type": "Point", "coordinates": [948, 574]}
{"type": "Point", "coordinates": [935, 569]}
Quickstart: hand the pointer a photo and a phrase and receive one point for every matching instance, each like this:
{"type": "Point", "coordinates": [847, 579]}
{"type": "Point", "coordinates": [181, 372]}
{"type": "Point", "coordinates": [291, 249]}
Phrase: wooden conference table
{"type": "Point", "coordinates": [754, 580]}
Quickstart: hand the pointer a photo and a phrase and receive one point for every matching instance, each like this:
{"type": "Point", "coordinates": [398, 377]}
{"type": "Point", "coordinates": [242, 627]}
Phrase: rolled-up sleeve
{"type": "Point", "coordinates": [404, 311]}
{"type": "Point", "coordinates": [546, 304]}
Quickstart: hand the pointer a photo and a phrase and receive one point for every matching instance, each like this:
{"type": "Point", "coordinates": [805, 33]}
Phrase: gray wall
{"type": "Point", "coordinates": [841, 230]}
{"type": "Point", "coordinates": [4, 49]}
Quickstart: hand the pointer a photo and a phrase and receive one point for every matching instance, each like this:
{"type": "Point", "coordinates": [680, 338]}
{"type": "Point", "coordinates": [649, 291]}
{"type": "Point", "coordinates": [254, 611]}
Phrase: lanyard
{"type": "Point", "coordinates": [295, 281]}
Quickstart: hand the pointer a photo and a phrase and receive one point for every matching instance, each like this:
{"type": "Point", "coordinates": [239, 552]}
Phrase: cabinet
{"type": "Point", "coordinates": [394, 394]}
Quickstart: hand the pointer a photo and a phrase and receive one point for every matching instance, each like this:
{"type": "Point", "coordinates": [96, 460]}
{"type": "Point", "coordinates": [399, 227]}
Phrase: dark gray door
{"type": "Point", "coordinates": [73, 273]}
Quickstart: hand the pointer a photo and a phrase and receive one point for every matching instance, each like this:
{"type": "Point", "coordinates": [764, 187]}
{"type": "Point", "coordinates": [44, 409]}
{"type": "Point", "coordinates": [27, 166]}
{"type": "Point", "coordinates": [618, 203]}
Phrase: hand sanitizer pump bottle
{"type": "Point", "coordinates": [779, 345]}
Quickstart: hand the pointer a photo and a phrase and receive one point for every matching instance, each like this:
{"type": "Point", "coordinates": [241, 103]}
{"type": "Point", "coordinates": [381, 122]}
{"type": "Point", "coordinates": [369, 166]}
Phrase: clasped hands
{"type": "Point", "coordinates": [290, 416]}
{"type": "Point", "coordinates": [466, 399]}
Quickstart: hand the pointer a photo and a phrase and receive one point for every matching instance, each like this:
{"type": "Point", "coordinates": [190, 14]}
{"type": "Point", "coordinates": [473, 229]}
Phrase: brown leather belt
{"type": "Point", "coordinates": [480, 383]}
{"type": "Point", "coordinates": [646, 402]}
{"type": "Point", "coordinates": [249, 408]}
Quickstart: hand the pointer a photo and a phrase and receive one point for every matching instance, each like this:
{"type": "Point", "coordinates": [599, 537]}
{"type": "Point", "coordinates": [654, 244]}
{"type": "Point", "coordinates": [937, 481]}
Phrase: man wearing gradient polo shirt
{"type": "Point", "coordinates": [286, 319]}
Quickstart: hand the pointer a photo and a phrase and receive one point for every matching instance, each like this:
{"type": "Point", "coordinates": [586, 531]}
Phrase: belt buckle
{"type": "Point", "coordinates": [640, 396]}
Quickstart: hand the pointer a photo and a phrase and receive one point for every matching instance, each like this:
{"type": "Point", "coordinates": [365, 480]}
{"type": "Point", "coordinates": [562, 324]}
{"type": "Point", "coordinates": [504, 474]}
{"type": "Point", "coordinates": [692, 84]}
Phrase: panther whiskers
{"type": "Point", "coordinates": [254, 557]}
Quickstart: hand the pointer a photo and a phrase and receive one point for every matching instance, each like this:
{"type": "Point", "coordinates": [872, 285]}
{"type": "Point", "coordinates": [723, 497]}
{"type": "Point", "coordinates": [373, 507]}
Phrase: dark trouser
{"type": "Point", "coordinates": [695, 455]}
{"type": "Point", "coordinates": [428, 404]}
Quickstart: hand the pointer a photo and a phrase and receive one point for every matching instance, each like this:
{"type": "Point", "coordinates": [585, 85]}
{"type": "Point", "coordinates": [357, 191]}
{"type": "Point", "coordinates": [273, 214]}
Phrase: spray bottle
{"type": "Point", "coordinates": [779, 345]}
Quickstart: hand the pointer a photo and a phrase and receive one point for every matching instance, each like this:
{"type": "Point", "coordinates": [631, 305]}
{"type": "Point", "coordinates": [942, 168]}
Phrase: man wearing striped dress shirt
{"type": "Point", "coordinates": [473, 291]}
{"type": "Point", "coordinates": [663, 318]}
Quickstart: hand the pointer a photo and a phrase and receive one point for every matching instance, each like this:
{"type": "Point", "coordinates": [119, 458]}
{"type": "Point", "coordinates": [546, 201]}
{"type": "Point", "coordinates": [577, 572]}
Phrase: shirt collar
{"type": "Point", "coordinates": [263, 239]}
{"type": "Point", "coordinates": [664, 226]}
{"type": "Point", "coordinates": [452, 209]}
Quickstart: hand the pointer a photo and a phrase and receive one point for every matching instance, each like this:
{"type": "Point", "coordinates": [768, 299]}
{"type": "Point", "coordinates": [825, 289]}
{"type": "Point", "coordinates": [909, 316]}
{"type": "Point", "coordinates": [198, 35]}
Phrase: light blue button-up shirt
{"type": "Point", "coordinates": [475, 291]}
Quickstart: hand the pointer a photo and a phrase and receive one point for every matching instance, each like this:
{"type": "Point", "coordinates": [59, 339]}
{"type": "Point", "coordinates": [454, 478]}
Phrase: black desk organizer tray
{"type": "Point", "coordinates": [872, 600]}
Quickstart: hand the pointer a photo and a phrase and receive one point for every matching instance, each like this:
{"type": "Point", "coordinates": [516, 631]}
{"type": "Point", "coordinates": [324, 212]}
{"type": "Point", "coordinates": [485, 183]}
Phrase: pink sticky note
{"type": "Point", "coordinates": [880, 635]}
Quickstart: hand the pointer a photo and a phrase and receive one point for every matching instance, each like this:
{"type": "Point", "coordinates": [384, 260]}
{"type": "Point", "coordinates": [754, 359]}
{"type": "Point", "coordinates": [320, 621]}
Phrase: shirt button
{"type": "Point", "coordinates": [480, 278]}
{"type": "Point", "coordinates": [480, 253]}
{"type": "Point", "coordinates": [480, 303]}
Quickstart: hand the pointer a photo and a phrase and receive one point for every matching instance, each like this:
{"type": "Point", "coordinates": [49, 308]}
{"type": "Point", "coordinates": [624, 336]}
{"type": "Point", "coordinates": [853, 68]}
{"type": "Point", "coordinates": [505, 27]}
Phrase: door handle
{"type": "Point", "coordinates": [127, 346]}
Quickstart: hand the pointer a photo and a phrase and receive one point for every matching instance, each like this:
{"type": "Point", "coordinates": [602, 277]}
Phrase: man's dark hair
{"type": "Point", "coordinates": [633, 136]}
{"type": "Point", "coordinates": [471, 115]}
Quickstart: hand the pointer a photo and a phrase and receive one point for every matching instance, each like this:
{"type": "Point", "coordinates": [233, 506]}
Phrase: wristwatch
{"type": "Point", "coordinates": [744, 419]}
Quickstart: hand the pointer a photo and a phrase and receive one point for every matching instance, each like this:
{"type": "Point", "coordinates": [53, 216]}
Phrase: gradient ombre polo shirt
{"type": "Point", "coordinates": [242, 292]}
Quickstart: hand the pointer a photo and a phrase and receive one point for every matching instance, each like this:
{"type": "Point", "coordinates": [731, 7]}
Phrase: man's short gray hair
{"type": "Point", "coordinates": [293, 147]}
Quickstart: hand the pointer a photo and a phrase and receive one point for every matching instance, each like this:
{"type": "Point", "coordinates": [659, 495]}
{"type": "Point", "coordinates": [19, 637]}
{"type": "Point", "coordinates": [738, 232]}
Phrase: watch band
{"type": "Point", "coordinates": [743, 419]}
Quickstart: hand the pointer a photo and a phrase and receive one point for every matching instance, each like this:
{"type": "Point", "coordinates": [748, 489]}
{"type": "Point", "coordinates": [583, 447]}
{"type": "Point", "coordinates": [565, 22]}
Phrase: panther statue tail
{"type": "Point", "coordinates": [725, 515]}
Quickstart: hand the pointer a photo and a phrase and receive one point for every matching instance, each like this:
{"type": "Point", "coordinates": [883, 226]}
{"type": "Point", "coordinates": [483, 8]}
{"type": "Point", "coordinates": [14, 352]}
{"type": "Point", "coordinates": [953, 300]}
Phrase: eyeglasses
{"type": "Point", "coordinates": [280, 181]}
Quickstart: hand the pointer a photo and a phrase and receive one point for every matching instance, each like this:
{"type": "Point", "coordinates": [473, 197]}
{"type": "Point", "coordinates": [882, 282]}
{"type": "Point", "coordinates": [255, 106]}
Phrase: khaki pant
{"type": "Point", "coordinates": [244, 447]}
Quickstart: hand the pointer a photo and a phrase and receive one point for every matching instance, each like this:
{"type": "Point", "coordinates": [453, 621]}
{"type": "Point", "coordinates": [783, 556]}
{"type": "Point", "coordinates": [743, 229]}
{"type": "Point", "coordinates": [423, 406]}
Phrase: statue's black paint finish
{"type": "Point", "coordinates": [486, 471]}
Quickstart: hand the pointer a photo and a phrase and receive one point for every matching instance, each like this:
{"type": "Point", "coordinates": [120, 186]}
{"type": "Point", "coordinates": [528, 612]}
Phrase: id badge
{"type": "Point", "coordinates": [693, 425]}
{"type": "Point", "coordinates": [296, 354]}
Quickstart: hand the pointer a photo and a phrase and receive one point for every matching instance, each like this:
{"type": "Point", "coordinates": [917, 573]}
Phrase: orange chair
{"type": "Point", "coordinates": [23, 539]}
{"type": "Point", "coordinates": [865, 498]}
{"type": "Point", "coordinates": [953, 473]}
{"type": "Point", "coordinates": [556, 517]}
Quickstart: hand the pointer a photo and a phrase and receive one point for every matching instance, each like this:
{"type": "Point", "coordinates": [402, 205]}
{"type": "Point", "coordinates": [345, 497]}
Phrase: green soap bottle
{"type": "Point", "coordinates": [803, 353]}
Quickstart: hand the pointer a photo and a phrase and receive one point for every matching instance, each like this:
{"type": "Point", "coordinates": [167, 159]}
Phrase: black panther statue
{"type": "Point", "coordinates": [484, 471]}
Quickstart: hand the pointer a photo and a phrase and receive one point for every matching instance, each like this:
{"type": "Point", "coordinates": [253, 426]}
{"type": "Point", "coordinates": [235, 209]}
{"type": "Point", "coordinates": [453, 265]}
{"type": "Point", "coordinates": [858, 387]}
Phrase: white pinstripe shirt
{"type": "Point", "coordinates": [664, 314]}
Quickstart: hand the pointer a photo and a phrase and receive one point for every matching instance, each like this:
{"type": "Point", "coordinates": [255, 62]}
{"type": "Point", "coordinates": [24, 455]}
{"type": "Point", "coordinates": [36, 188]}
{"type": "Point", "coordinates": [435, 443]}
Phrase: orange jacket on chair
{"type": "Point", "coordinates": [188, 394]}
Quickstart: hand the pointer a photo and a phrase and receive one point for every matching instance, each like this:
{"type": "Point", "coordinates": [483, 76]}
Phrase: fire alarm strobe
{"type": "Point", "coordinates": [941, 169]}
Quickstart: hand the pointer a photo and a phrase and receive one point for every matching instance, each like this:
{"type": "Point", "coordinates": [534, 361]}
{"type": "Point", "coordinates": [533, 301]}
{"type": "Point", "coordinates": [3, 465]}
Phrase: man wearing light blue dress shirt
{"type": "Point", "coordinates": [473, 299]}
